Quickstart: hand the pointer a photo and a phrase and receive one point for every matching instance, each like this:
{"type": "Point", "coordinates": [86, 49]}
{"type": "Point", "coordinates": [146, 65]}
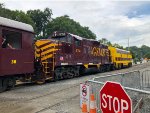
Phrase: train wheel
{"type": "Point", "coordinates": [119, 66]}
{"type": "Point", "coordinates": [112, 67]}
{"type": "Point", "coordinates": [3, 84]}
{"type": "Point", "coordinates": [40, 78]}
{"type": "Point", "coordinates": [102, 69]}
{"type": "Point", "coordinates": [81, 71]}
{"type": "Point", "coordinates": [41, 81]}
{"type": "Point", "coordinates": [71, 72]}
{"type": "Point", "coordinates": [76, 72]}
{"type": "Point", "coordinates": [11, 82]}
{"type": "Point", "coordinates": [59, 74]}
{"type": "Point", "coordinates": [40, 75]}
{"type": "Point", "coordinates": [65, 75]}
{"type": "Point", "coordinates": [108, 68]}
{"type": "Point", "coordinates": [130, 65]}
{"type": "Point", "coordinates": [56, 77]}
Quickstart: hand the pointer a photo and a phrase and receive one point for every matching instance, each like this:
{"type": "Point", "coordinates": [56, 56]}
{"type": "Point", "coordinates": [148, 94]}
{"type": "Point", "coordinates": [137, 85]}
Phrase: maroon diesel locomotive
{"type": "Point", "coordinates": [64, 55]}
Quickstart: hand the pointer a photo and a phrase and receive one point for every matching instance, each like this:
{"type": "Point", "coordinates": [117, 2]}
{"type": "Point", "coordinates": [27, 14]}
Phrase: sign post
{"type": "Point", "coordinates": [85, 95]}
{"type": "Point", "coordinates": [114, 99]}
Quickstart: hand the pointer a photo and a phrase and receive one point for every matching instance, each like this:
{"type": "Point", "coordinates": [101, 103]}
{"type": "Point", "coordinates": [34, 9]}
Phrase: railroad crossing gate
{"type": "Point", "coordinates": [85, 95]}
{"type": "Point", "coordinates": [114, 99]}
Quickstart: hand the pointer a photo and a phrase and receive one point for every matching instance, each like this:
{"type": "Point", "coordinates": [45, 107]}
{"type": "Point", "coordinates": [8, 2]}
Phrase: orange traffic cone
{"type": "Point", "coordinates": [92, 104]}
{"type": "Point", "coordinates": [84, 108]}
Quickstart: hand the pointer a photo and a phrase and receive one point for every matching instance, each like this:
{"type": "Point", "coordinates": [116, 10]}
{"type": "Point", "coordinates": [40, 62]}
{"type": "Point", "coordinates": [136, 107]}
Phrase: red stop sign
{"type": "Point", "coordinates": [114, 99]}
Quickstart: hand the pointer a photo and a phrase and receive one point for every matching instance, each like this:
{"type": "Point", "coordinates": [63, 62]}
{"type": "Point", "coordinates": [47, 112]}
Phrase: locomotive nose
{"type": "Point", "coordinates": [45, 49]}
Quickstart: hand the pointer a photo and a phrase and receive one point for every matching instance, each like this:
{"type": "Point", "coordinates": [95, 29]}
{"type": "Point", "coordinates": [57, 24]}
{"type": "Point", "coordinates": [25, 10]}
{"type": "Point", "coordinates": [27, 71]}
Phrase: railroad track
{"type": "Point", "coordinates": [40, 96]}
{"type": "Point", "coordinates": [28, 84]}
{"type": "Point", "coordinates": [56, 104]}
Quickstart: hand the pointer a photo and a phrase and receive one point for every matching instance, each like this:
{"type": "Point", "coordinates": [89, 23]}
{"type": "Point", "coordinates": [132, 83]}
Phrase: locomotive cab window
{"type": "Point", "coordinates": [11, 39]}
{"type": "Point", "coordinates": [69, 39]}
{"type": "Point", "coordinates": [60, 38]}
{"type": "Point", "coordinates": [77, 42]}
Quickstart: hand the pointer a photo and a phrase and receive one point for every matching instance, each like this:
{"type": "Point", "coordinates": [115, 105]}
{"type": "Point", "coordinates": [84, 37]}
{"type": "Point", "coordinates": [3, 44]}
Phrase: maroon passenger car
{"type": "Point", "coordinates": [16, 51]}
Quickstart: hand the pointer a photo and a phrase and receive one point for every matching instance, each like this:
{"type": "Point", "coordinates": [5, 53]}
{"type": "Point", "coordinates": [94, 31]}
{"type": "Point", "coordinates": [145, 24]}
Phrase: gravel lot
{"type": "Point", "coordinates": [54, 97]}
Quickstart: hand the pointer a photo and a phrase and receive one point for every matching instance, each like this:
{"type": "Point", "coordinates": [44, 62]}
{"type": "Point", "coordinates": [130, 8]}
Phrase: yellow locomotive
{"type": "Point", "coordinates": [120, 58]}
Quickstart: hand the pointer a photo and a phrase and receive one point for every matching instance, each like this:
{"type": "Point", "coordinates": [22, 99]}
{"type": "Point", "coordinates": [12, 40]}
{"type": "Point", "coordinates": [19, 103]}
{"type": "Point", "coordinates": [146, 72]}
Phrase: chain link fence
{"type": "Point", "coordinates": [133, 82]}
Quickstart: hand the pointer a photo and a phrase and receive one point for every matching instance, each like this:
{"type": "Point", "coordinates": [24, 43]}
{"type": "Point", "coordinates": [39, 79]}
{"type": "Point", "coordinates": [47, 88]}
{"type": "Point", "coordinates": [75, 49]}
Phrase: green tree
{"type": "Point", "coordinates": [22, 17]}
{"type": "Point", "coordinates": [1, 5]}
{"type": "Point", "coordinates": [141, 52]}
{"type": "Point", "coordinates": [15, 15]}
{"type": "Point", "coordinates": [41, 19]}
{"type": "Point", "coordinates": [65, 24]}
{"type": "Point", "coordinates": [147, 55]}
{"type": "Point", "coordinates": [117, 46]}
{"type": "Point", "coordinates": [105, 41]}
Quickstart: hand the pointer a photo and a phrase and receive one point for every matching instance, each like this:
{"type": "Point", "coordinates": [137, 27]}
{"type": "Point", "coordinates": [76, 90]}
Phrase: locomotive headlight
{"type": "Point", "coordinates": [37, 60]}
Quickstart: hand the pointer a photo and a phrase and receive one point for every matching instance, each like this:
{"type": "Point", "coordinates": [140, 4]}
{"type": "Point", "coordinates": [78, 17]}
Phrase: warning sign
{"type": "Point", "coordinates": [114, 99]}
{"type": "Point", "coordinates": [85, 94]}
{"type": "Point", "coordinates": [84, 90]}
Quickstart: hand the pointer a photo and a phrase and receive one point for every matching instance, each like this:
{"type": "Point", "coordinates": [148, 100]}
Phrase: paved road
{"type": "Point", "coordinates": [54, 97]}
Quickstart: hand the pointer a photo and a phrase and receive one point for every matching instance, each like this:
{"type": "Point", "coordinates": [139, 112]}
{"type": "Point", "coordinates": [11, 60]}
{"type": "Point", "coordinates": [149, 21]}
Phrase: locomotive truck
{"type": "Point", "coordinates": [63, 55]}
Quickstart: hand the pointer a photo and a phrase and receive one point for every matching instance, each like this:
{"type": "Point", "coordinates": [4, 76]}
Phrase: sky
{"type": "Point", "coordinates": [117, 21]}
